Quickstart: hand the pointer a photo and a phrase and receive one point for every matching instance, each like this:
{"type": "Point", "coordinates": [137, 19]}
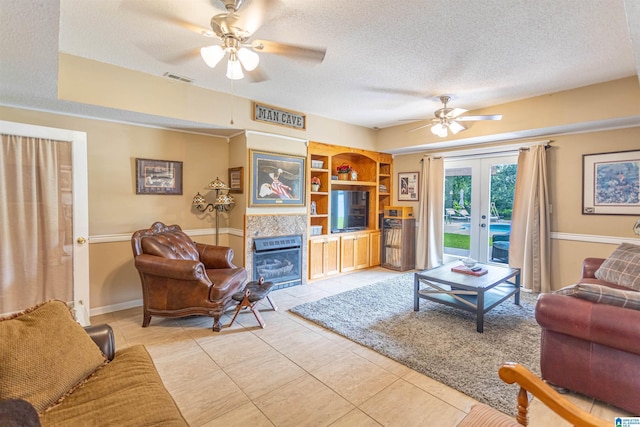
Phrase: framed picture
{"type": "Point", "coordinates": [158, 177]}
{"type": "Point", "coordinates": [236, 180]}
{"type": "Point", "coordinates": [409, 186]}
{"type": "Point", "coordinates": [277, 179]}
{"type": "Point", "coordinates": [611, 183]}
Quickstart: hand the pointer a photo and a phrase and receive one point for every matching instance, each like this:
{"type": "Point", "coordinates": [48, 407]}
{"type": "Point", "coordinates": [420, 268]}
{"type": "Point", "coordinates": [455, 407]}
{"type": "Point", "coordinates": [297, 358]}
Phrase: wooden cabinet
{"type": "Point", "coordinates": [324, 259]}
{"type": "Point", "coordinates": [375, 253]}
{"type": "Point", "coordinates": [354, 251]}
{"type": "Point", "coordinates": [357, 249]}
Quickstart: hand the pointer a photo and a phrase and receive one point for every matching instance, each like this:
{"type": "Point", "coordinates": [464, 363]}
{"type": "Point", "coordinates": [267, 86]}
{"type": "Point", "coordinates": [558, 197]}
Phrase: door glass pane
{"type": "Point", "coordinates": [503, 182]}
{"type": "Point", "coordinates": [457, 214]}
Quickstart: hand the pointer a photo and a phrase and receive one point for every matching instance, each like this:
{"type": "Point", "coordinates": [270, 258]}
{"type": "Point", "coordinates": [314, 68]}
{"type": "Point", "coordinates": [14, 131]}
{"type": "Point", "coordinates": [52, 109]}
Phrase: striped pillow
{"type": "Point", "coordinates": [603, 295]}
{"type": "Point", "coordinates": [622, 267]}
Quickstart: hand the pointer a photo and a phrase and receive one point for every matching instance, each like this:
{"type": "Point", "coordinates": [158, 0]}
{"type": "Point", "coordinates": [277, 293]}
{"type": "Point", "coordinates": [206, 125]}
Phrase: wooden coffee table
{"type": "Point", "coordinates": [477, 294]}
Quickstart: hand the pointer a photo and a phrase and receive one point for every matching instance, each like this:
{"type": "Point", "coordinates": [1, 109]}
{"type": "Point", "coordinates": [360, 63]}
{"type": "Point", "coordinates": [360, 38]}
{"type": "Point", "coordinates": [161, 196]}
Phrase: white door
{"type": "Point", "coordinates": [73, 203]}
{"type": "Point", "coordinates": [478, 198]}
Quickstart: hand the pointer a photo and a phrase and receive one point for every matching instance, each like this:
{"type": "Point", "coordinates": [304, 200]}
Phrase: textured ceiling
{"type": "Point", "coordinates": [385, 61]}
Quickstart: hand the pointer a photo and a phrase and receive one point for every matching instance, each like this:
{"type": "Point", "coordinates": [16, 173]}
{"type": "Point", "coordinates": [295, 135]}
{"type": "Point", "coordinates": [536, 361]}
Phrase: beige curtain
{"type": "Point", "coordinates": [430, 248]}
{"type": "Point", "coordinates": [34, 265]}
{"type": "Point", "coordinates": [529, 247]}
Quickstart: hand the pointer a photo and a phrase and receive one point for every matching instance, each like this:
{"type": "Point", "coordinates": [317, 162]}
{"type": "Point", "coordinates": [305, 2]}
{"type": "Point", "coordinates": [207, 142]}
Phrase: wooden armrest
{"type": "Point", "coordinates": [516, 373]}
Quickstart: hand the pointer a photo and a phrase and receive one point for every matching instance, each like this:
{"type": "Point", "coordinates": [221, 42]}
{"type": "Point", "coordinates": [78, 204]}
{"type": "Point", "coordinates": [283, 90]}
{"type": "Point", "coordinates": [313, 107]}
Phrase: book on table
{"type": "Point", "coordinates": [464, 270]}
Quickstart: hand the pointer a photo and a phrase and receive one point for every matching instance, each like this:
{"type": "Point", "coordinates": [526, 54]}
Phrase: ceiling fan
{"type": "Point", "coordinates": [446, 119]}
{"type": "Point", "coordinates": [235, 30]}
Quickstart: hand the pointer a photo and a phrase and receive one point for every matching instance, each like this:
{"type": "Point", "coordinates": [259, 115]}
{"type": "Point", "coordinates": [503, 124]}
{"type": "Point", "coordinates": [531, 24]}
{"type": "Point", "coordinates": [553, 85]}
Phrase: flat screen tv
{"type": "Point", "coordinates": [349, 210]}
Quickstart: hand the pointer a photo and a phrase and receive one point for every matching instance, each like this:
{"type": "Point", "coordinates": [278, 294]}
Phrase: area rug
{"type": "Point", "coordinates": [438, 341]}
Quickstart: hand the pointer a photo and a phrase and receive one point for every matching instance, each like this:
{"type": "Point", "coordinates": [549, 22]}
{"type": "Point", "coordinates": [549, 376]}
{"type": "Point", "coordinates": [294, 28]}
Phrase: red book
{"type": "Point", "coordinates": [464, 270]}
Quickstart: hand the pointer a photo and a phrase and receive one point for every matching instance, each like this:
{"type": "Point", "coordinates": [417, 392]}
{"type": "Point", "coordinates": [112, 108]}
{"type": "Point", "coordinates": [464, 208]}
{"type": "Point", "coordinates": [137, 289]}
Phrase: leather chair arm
{"type": "Point", "coordinates": [215, 256]}
{"type": "Point", "coordinates": [179, 269]}
{"type": "Point", "coordinates": [102, 335]}
{"type": "Point", "coordinates": [598, 323]}
{"type": "Point", "coordinates": [589, 267]}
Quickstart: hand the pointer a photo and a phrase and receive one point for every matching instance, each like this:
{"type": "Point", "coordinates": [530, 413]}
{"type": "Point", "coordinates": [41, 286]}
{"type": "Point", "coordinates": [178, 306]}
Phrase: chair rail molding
{"type": "Point", "coordinates": [593, 238]}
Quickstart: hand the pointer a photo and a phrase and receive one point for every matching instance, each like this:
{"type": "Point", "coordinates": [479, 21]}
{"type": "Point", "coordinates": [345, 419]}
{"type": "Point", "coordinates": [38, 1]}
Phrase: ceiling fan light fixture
{"type": "Point", "coordinates": [211, 55]}
{"type": "Point", "coordinates": [248, 58]}
{"type": "Point", "coordinates": [234, 69]}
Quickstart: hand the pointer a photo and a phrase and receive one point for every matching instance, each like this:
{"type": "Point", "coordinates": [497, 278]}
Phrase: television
{"type": "Point", "coordinates": [349, 210]}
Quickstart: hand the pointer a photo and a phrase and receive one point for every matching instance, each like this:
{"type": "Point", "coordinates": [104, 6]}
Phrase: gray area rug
{"type": "Point", "coordinates": [438, 341]}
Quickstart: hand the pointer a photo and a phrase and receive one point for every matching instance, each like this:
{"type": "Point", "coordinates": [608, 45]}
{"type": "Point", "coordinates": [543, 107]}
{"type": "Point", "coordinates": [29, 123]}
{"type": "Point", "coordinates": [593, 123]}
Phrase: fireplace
{"type": "Point", "coordinates": [278, 259]}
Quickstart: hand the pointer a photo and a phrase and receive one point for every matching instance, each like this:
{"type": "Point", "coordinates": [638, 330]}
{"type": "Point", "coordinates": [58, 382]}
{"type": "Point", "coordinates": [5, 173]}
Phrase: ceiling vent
{"type": "Point", "coordinates": [178, 77]}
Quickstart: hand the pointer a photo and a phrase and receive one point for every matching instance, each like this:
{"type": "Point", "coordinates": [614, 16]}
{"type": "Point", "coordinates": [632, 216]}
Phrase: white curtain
{"type": "Point", "coordinates": [430, 247]}
{"type": "Point", "coordinates": [530, 243]}
{"type": "Point", "coordinates": [34, 266]}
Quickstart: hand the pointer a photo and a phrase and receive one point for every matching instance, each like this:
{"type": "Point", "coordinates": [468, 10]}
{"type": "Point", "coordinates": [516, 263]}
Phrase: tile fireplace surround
{"type": "Point", "coordinates": [271, 226]}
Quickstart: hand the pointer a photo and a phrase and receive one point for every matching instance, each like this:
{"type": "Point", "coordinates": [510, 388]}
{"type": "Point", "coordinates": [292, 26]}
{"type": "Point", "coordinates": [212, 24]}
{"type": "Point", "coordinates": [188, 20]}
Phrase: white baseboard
{"type": "Point", "coordinates": [116, 307]}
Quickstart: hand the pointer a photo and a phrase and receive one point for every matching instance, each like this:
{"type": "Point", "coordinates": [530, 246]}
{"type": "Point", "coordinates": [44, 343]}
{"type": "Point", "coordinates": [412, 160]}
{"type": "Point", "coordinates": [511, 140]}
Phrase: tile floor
{"type": "Point", "coordinates": [295, 373]}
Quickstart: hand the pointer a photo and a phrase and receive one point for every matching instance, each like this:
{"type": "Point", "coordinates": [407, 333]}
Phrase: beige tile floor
{"type": "Point", "coordinates": [295, 373]}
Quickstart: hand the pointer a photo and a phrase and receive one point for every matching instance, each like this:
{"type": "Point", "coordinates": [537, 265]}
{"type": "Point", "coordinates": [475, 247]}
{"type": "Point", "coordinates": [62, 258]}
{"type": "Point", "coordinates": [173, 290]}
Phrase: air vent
{"type": "Point", "coordinates": [178, 77]}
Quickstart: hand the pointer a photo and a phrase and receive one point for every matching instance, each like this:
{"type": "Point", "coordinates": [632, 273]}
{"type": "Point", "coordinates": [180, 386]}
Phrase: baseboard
{"type": "Point", "coordinates": [116, 307]}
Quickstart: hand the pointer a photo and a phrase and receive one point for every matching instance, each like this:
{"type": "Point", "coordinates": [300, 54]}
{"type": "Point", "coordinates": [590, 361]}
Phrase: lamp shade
{"type": "Point", "coordinates": [217, 184]}
{"type": "Point", "coordinates": [212, 55]}
{"type": "Point", "coordinates": [198, 200]}
{"type": "Point", "coordinates": [224, 200]}
{"type": "Point", "coordinates": [234, 69]}
{"type": "Point", "coordinates": [248, 58]}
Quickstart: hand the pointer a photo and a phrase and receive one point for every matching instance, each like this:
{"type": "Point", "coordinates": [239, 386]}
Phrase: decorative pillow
{"type": "Point", "coordinates": [622, 267]}
{"type": "Point", "coordinates": [44, 355]}
{"type": "Point", "coordinates": [603, 295]}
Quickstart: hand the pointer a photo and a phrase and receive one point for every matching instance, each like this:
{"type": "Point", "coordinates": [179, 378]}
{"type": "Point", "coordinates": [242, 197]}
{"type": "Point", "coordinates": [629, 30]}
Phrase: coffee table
{"type": "Point", "coordinates": [477, 294]}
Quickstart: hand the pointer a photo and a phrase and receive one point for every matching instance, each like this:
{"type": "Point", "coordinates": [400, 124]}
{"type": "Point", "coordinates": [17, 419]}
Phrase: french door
{"type": "Point", "coordinates": [478, 201]}
{"type": "Point", "coordinates": [43, 244]}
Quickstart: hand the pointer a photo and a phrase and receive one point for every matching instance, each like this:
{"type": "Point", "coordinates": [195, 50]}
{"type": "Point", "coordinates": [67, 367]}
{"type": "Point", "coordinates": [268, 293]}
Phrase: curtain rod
{"type": "Point", "coordinates": [495, 150]}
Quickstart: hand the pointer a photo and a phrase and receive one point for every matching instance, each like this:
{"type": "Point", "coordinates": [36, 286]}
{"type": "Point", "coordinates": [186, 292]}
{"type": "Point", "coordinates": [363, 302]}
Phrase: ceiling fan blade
{"type": "Point", "coordinates": [455, 113]}
{"type": "Point", "coordinates": [257, 75]}
{"type": "Point", "coordinates": [140, 8]}
{"type": "Point", "coordinates": [300, 52]}
{"type": "Point", "coordinates": [420, 127]}
{"type": "Point", "coordinates": [455, 127]}
{"type": "Point", "coordinates": [471, 118]}
{"type": "Point", "coordinates": [252, 15]}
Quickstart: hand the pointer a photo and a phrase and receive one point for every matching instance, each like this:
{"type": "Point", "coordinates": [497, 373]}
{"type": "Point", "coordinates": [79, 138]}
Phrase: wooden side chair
{"type": "Point", "coordinates": [482, 415]}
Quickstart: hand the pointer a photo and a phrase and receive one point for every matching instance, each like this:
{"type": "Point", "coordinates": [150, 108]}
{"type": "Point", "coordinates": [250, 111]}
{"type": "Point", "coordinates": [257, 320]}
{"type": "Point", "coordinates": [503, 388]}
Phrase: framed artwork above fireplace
{"type": "Point", "coordinates": [277, 179]}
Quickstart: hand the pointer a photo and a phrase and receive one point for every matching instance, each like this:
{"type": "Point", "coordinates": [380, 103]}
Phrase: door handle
{"type": "Point", "coordinates": [81, 240]}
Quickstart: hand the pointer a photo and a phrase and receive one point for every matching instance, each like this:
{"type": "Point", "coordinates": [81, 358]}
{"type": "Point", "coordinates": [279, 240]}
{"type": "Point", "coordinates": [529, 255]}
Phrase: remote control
{"type": "Point", "coordinates": [476, 269]}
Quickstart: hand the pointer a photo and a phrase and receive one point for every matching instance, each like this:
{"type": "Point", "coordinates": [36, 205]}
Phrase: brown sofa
{"type": "Point", "coordinates": [74, 377]}
{"type": "Point", "coordinates": [182, 278]}
{"type": "Point", "coordinates": [589, 347]}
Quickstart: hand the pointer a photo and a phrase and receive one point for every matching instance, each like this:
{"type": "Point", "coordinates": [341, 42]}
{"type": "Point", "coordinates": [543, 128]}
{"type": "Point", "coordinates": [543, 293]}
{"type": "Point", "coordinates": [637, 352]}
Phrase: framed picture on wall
{"type": "Point", "coordinates": [277, 179]}
{"type": "Point", "coordinates": [236, 180]}
{"type": "Point", "coordinates": [158, 177]}
{"type": "Point", "coordinates": [611, 183]}
{"type": "Point", "coordinates": [408, 186]}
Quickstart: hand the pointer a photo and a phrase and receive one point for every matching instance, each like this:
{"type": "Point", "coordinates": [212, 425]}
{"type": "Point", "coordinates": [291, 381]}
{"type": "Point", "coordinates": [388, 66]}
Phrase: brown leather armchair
{"type": "Point", "coordinates": [591, 348]}
{"type": "Point", "coordinates": [183, 278]}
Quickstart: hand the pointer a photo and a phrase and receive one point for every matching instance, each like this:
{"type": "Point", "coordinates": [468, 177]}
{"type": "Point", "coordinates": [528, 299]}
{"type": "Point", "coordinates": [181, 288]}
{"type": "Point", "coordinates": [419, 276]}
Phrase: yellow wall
{"type": "Point", "coordinates": [564, 162]}
{"type": "Point", "coordinates": [115, 209]}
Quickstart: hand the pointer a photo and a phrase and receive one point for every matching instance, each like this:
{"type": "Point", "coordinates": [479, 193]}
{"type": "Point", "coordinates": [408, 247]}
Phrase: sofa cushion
{"type": "Point", "coordinates": [482, 415]}
{"type": "Point", "coordinates": [622, 267]}
{"type": "Point", "coordinates": [44, 354]}
{"type": "Point", "coordinates": [603, 295]}
{"type": "Point", "coordinates": [126, 392]}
